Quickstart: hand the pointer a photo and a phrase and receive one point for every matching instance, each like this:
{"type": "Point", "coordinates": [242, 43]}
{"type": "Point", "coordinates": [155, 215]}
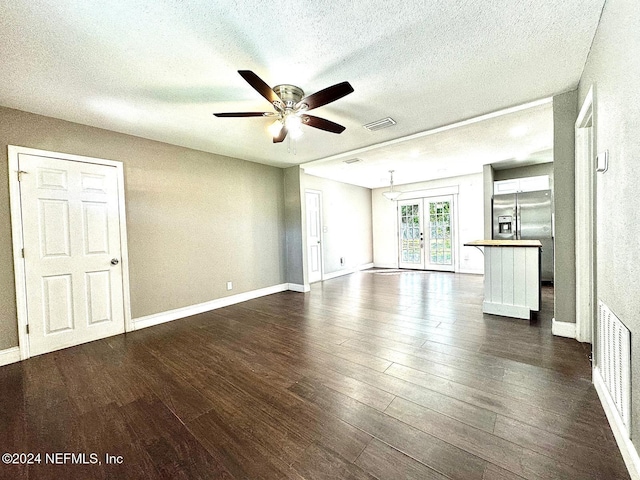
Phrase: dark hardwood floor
{"type": "Point", "coordinates": [379, 374]}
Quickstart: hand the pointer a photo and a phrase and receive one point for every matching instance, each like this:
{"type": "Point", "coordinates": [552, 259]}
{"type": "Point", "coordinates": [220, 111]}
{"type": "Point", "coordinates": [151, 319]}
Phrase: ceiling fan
{"type": "Point", "coordinates": [291, 106]}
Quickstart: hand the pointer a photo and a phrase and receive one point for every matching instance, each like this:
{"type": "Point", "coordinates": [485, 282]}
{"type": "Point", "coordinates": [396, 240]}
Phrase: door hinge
{"type": "Point", "coordinates": [22, 252]}
{"type": "Point", "coordinates": [27, 329]}
{"type": "Point", "coordinates": [20, 172]}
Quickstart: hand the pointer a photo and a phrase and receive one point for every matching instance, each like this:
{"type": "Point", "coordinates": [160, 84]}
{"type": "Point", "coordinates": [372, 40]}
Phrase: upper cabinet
{"type": "Point", "coordinates": [527, 184]}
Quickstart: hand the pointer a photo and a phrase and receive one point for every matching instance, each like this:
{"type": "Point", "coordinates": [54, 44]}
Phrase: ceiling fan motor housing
{"type": "Point", "coordinates": [289, 94]}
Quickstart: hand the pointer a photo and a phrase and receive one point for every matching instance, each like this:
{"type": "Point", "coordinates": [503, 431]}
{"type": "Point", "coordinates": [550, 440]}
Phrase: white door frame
{"type": "Point", "coordinates": [585, 194]}
{"type": "Point", "coordinates": [18, 244]}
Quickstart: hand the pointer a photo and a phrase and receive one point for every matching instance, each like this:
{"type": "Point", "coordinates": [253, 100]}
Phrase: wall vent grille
{"type": "Point", "coordinates": [613, 360]}
{"type": "Point", "coordinates": [380, 124]}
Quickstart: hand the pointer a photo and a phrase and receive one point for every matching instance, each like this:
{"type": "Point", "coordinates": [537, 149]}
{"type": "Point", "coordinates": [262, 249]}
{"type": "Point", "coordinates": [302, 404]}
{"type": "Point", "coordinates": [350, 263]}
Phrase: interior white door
{"type": "Point", "coordinates": [314, 235]}
{"type": "Point", "coordinates": [71, 228]}
{"type": "Point", "coordinates": [411, 233]}
{"type": "Point", "coordinates": [439, 215]}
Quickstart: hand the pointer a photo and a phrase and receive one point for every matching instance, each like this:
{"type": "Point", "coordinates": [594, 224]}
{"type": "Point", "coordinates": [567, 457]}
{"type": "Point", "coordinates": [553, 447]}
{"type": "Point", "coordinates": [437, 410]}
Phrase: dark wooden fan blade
{"type": "Point", "coordinates": [242, 114]}
{"type": "Point", "coordinates": [322, 124]}
{"type": "Point", "coordinates": [328, 95]}
{"type": "Point", "coordinates": [280, 138]}
{"type": "Point", "coordinates": [259, 85]}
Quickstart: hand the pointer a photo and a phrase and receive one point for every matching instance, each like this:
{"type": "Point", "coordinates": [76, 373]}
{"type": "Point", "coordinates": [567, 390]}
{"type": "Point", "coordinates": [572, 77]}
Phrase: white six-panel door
{"type": "Point", "coordinates": [72, 252]}
{"type": "Point", "coordinates": [314, 235]}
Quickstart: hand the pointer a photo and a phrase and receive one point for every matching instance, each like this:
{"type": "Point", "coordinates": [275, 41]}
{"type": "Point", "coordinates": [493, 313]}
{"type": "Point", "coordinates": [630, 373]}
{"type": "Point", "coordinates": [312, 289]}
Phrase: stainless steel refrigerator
{"type": "Point", "coordinates": [526, 216]}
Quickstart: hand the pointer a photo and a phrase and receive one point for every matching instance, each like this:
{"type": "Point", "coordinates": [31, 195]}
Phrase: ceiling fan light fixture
{"type": "Point", "coordinates": [294, 125]}
{"type": "Point", "coordinates": [391, 194]}
{"type": "Point", "coordinates": [296, 133]}
{"type": "Point", "coordinates": [275, 128]}
{"type": "Point", "coordinates": [292, 121]}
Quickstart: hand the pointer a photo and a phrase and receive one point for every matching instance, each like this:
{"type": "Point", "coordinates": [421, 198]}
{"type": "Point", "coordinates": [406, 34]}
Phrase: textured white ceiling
{"type": "Point", "coordinates": [160, 68]}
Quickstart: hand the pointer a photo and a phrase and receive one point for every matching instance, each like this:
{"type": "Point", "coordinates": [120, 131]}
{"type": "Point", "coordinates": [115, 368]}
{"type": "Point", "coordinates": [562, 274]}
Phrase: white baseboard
{"type": "Point", "coordinates": [516, 311]}
{"type": "Point", "coordinates": [9, 355]}
{"type": "Point", "coordinates": [471, 271]}
{"type": "Point", "coordinates": [627, 449]}
{"type": "Point", "coordinates": [395, 266]}
{"type": "Point", "coordinates": [296, 287]}
{"type": "Point", "coordinates": [170, 315]}
{"type": "Point", "coordinates": [563, 329]}
{"type": "Point", "coordinates": [339, 273]}
{"type": "Point", "coordinates": [385, 265]}
{"type": "Point", "coordinates": [347, 271]}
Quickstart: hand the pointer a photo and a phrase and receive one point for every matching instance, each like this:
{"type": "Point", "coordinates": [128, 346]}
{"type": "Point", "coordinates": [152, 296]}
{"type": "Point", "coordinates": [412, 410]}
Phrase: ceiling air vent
{"type": "Point", "coordinates": [380, 124]}
{"type": "Point", "coordinates": [352, 160]}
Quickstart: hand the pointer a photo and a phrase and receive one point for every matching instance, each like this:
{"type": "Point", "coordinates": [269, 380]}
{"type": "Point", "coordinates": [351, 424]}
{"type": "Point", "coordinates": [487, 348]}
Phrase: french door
{"type": "Point", "coordinates": [426, 233]}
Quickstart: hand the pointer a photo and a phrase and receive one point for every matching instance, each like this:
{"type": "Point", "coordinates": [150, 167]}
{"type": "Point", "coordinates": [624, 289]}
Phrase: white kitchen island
{"type": "Point", "coordinates": [511, 276]}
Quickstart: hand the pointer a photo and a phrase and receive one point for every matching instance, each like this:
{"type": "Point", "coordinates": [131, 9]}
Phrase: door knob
{"type": "Point", "coordinates": [114, 261]}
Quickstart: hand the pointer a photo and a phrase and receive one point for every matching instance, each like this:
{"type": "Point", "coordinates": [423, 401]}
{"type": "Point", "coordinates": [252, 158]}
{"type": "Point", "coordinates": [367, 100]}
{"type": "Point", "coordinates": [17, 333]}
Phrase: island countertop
{"type": "Point", "coordinates": [504, 243]}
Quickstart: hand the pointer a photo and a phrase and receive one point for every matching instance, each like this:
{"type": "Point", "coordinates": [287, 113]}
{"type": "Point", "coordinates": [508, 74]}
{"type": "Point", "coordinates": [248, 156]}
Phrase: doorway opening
{"type": "Point", "coordinates": [585, 221]}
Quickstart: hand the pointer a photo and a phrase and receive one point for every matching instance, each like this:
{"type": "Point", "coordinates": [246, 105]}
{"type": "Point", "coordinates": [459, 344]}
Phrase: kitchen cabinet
{"type": "Point", "coordinates": [526, 184]}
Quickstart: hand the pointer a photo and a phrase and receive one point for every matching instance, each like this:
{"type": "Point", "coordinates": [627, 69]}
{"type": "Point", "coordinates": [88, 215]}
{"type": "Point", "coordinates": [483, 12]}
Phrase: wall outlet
{"type": "Point", "coordinates": [229, 285]}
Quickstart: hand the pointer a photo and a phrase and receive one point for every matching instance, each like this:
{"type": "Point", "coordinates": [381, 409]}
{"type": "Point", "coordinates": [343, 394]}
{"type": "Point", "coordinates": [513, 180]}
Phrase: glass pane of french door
{"type": "Point", "coordinates": [411, 244]}
{"type": "Point", "coordinates": [440, 230]}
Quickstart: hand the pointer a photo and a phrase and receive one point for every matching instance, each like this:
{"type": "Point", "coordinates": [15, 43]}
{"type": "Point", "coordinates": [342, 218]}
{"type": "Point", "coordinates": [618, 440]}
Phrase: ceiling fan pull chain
{"type": "Point", "coordinates": [295, 152]}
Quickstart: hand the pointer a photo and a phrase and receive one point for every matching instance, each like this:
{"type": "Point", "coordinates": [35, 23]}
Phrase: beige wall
{"type": "Point", "coordinates": [346, 218]}
{"type": "Point", "coordinates": [195, 220]}
{"type": "Point", "coordinates": [613, 68]}
{"type": "Point", "coordinates": [295, 243]}
{"type": "Point", "coordinates": [565, 111]}
{"type": "Point", "coordinates": [488, 177]}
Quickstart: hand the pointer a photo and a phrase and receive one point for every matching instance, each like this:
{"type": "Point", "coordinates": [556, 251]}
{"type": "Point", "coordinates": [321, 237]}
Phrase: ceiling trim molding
{"type": "Point", "coordinates": [451, 126]}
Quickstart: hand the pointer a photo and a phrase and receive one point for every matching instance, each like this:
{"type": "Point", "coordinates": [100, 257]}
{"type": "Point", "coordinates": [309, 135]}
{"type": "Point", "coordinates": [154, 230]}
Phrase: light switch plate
{"type": "Point", "coordinates": [602, 161]}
